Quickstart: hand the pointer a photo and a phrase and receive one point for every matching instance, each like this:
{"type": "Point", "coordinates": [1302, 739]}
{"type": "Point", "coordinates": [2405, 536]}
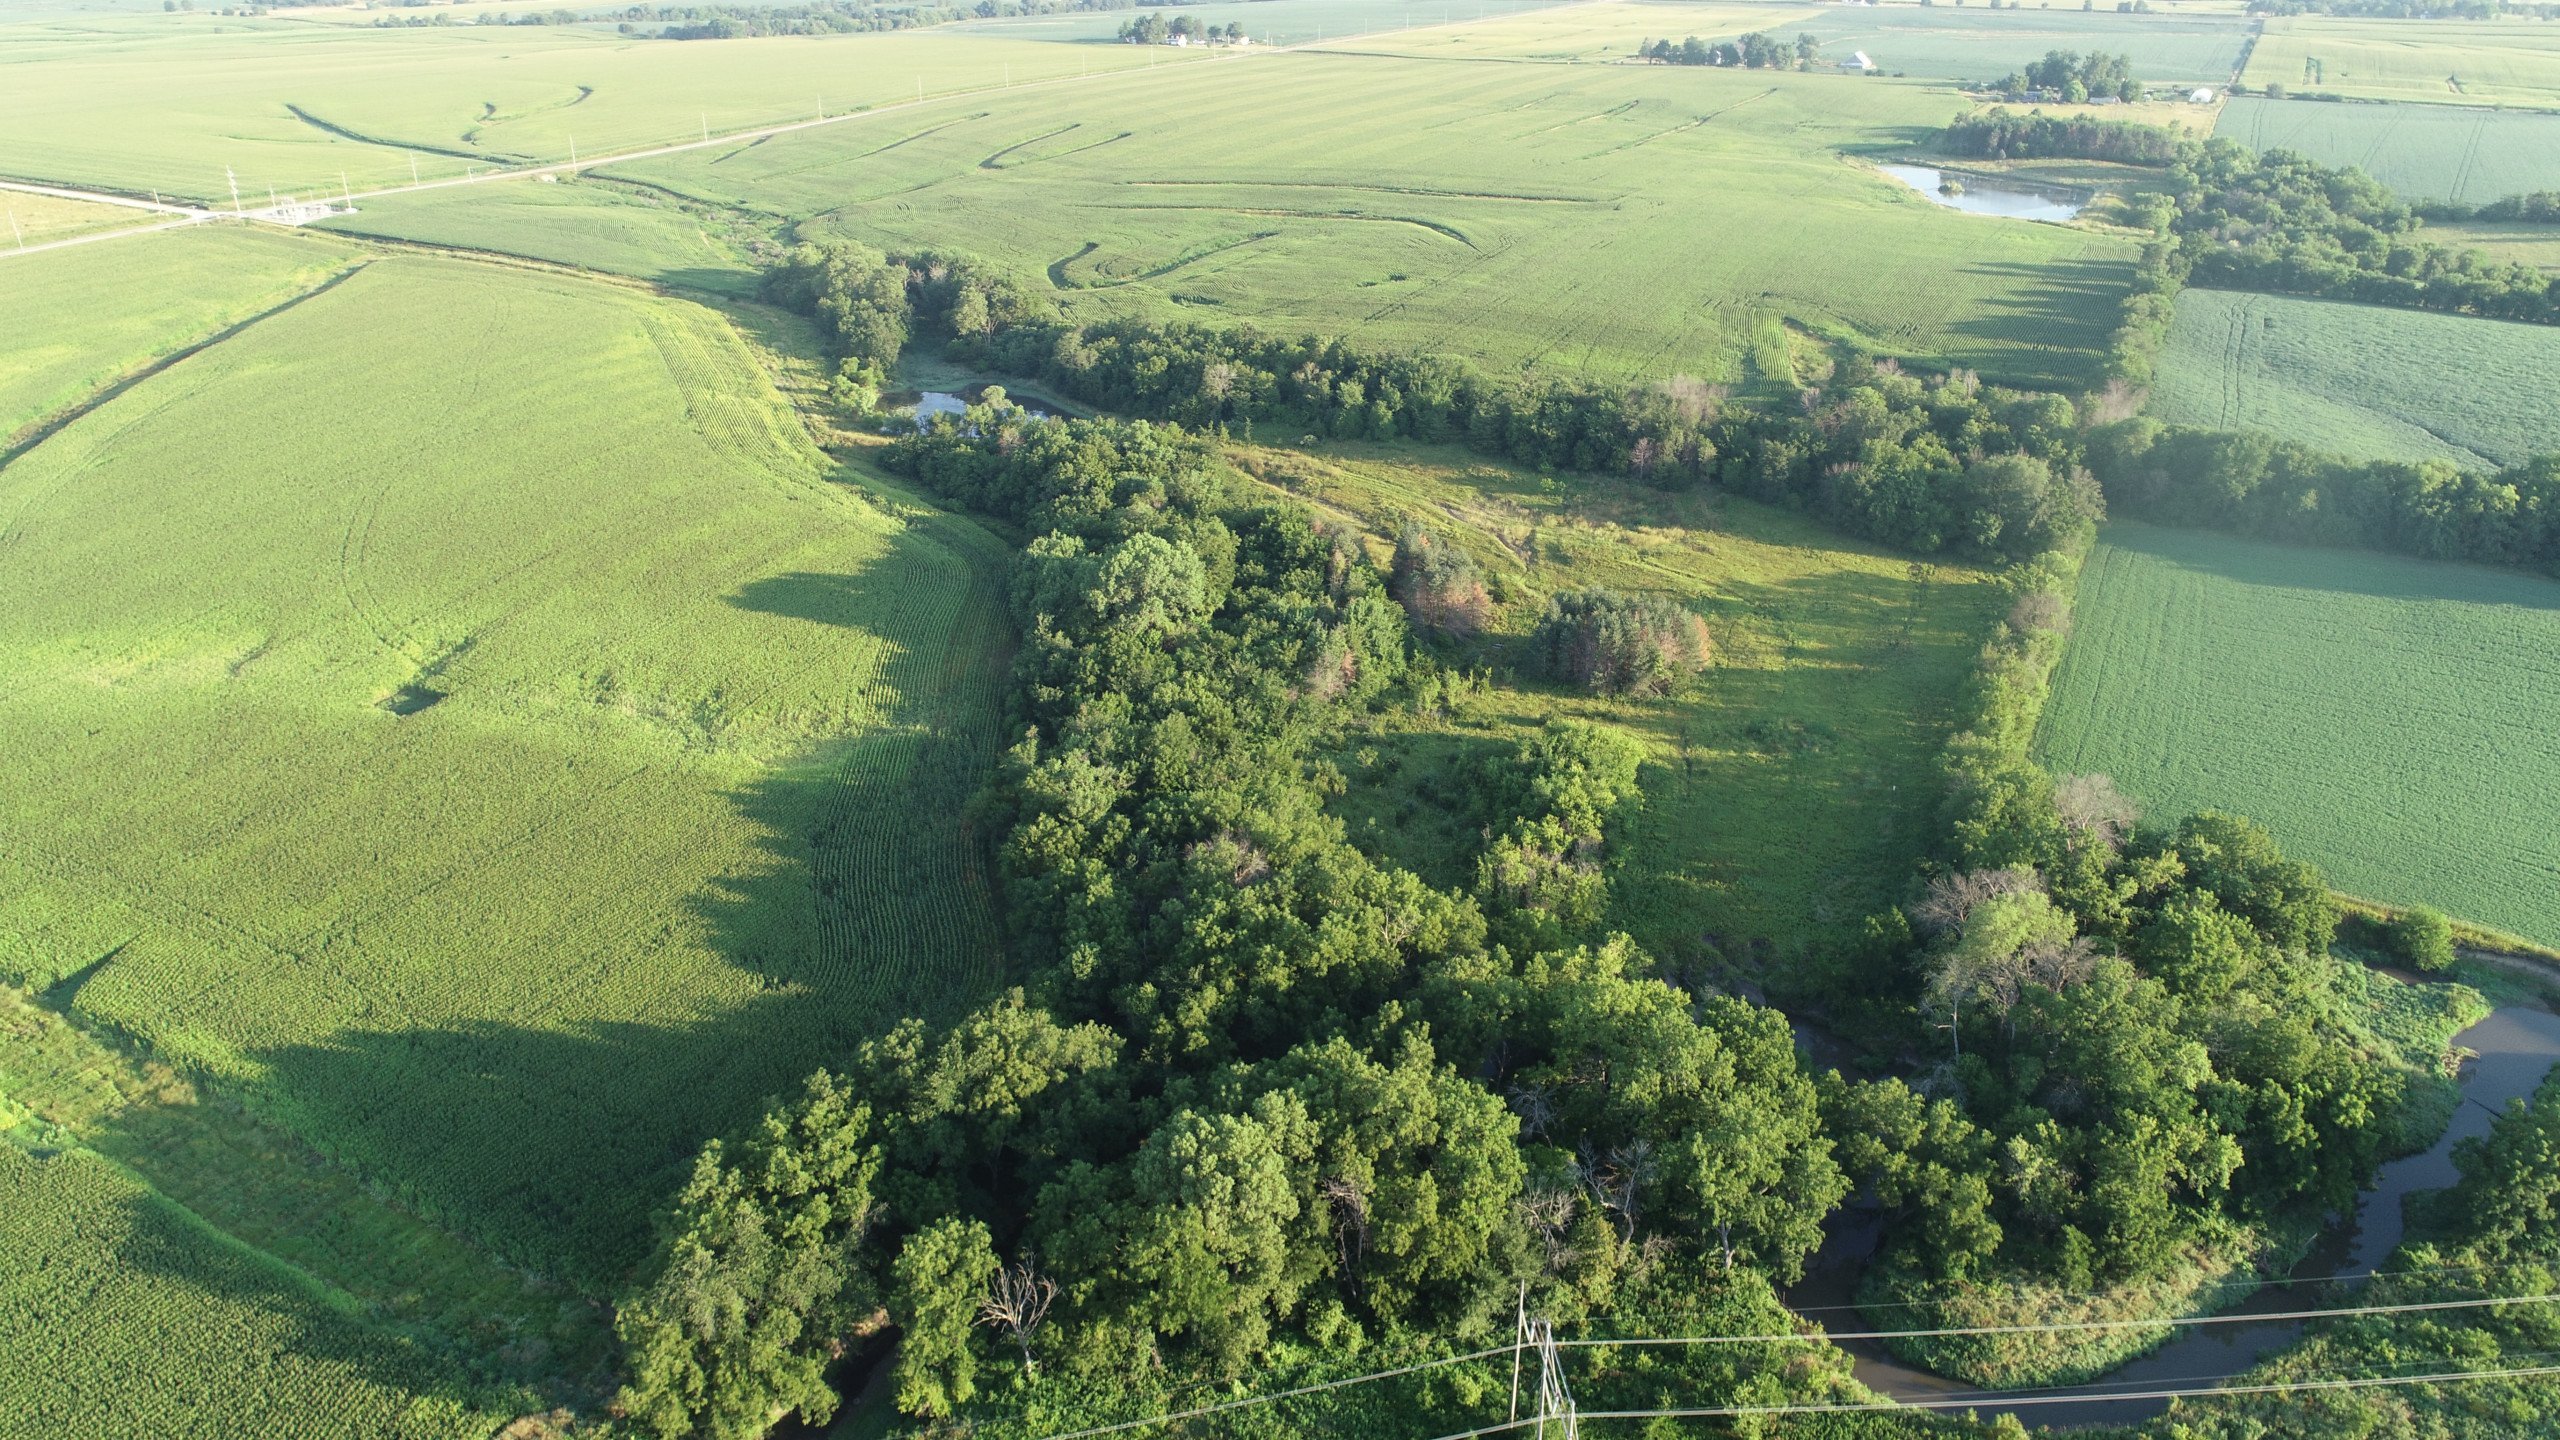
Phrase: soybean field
{"type": "Point", "coordinates": [2443, 62]}
{"type": "Point", "coordinates": [2377, 713]}
{"type": "Point", "coordinates": [2425, 152]}
{"type": "Point", "coordinates": [2362, 380]}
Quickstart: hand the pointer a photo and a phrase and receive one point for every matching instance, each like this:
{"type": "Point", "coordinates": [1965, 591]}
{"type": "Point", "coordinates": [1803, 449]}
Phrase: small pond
{"type": "Point", "coordinates": [930, 403]}
{"type": "Point", "coordinates": [1989, 197]}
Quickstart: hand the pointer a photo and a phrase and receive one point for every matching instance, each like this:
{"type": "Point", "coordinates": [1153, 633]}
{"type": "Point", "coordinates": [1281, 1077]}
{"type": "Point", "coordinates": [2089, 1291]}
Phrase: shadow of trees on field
{"type": "Point", "coordinates": [551, 1138]}
{"type": "Point", "coordinates": [2065, 308]}
{"type": "Point", "coordinates": [2341, 571]}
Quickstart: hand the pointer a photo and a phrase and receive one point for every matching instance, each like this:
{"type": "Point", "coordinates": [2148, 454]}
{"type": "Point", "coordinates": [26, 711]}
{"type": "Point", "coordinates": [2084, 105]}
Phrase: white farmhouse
{"type": "Point", "coordinates": [1858, 64]}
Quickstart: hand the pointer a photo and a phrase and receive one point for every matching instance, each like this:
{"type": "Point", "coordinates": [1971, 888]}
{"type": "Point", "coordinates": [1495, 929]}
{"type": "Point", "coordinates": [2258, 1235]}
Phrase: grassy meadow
{"type": "Point", "coordinates": [40, 219]}
{"type": "Point", "coordinates": [164, 103]}
{"type": "Point", "coordinates": [2519, 244]}
{"type": "Point", "coordinates": [1604, 220]}
{"type": "Point", "coordinates": [2377, 713]}
{"type": "Point", "coordinates": [459, 717]}
{"type": "Point", "coordinates": [78, 322]}
{"type": "Point", "coordinates": [2444, 62]}
{"type": "Point", "coordinates": [2425, 152]}
{"type": "Point", "coordinates": [2362, 380]}
{"type": "Point", "coordinates": [1790, 787]}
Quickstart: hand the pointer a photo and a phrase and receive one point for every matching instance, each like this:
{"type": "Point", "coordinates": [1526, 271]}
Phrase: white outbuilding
{"type": "Point", "coordinates": [1858, 63]}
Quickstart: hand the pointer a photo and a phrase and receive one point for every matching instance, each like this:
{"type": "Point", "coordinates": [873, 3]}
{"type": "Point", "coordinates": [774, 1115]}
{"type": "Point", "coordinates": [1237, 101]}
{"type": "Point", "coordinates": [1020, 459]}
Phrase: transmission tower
{"type": "Point", "coordinates": [1555, 1414]}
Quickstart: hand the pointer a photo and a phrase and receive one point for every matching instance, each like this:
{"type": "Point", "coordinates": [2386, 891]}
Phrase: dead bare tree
{"type": "Point", "coordinates": [2092, 805]}
{"type": "Point", "coordinates": [1536, 1107]}
{"type": "Point", "coordinates": [1549, 1215]}
{"type": "Point", "coordinates": [1018, 1300]}
{"type": "Point", "coordinates": [1617, 1181]}
{"type": "Point", "coordinates": [1951, 898]}
{"type": "Point", "coordinates": [2040, 612]}
{"type": "Point", "coordinates": [1350, 1206]}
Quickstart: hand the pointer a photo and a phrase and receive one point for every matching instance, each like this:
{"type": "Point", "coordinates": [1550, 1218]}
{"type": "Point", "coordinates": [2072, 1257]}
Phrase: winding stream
{"type": "Point", "coordinates": [2517, 1047]}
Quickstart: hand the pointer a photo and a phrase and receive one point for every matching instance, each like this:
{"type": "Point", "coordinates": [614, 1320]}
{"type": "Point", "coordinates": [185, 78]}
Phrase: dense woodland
{"type": "Point", "coordinates": [1256, 1091]}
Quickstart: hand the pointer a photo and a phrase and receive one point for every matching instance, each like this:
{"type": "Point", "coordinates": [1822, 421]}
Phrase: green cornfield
{"type": "Point", "coordinates": [2383, 716]}
{"type": "Point", "coordinates": [461, 715]}
{"type": "Point", "coordinates": [1609, 220]}
{"type": "Point", "coordinates": [124, 1318]}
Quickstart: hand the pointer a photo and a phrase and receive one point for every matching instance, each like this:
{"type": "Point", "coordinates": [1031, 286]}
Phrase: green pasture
{"type": "Point", "coordinates": [1603, 220]}
{"type": "Point", "coordinates": [2425, 152]}
{"type": "Point", "coordinates": [2362, 380]}
{"type": "Point", "coordinates": [589, 224]}
{"type": "Point", "coordinates": [78, 320]}
{"type": "Point", "coordinates": [302, 109]}
{"type": "Point", "coordinates": [461, 717]}
{"type": "Point", "coordinates": [1790, 788]}
{"type": "Point", "coordinates": [2379, 714]}
{"type": "Point", "coordinates": [1979, 45]}
{"type": "Point", "coordinates": [123, 1317]}
{"type": "Point", "coordinates": [2444, 62]}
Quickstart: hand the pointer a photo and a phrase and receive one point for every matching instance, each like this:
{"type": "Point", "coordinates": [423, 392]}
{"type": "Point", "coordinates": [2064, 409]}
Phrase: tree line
{"type": "Point", "coordinates": [2281, 222]}
{"type": "Point", "coordinates": [1944, 464]}
{"type": "Point", "coordinates": [2254, 484]}
{"type": "Point", "coordinates": [1154, 29]}
{"type": "Point", "coordinates": [1755, 51]}
{"type": "Point", "coordinates": [1939, 464]}
{"type": "Point", "coordinates": [814, 17]}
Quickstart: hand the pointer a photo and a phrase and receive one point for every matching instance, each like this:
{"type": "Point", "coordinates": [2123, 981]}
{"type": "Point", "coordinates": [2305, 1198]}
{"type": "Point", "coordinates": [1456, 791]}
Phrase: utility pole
{"type": "Point", "coordinates": [1519, 1339]}
{"type": "Point", "coordinates": [413, 169]}
{"type": "Point", "coordinates": [706, 127]}
{"type": "Point", "coordinates": [573, 149]}
{"type": "Point", "coordinates": [235, 191]}
{"type": "Point", "coordinates": [14, 232]}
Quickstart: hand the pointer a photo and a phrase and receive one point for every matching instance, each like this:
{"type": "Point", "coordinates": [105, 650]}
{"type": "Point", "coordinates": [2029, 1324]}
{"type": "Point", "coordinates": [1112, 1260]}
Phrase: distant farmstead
{"type": "Point", "coordinates": [1858, 63]}
{"type": "Point", "coordinates": [2203, 95]}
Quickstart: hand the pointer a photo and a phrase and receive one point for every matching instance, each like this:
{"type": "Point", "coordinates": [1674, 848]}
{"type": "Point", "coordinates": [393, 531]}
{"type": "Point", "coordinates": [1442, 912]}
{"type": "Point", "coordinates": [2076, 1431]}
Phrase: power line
{"type": "Point", "coordinates": [2262, 1317]}
{"type": "Point", "coordinates": [1532, 1336]}
{"type": "Point", "coordinates": [1280, 1395]}
{"type": "Point", "coordinates": [2218, 1287]}
{"type": "Point", "coordinates": [2179, 1392]}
